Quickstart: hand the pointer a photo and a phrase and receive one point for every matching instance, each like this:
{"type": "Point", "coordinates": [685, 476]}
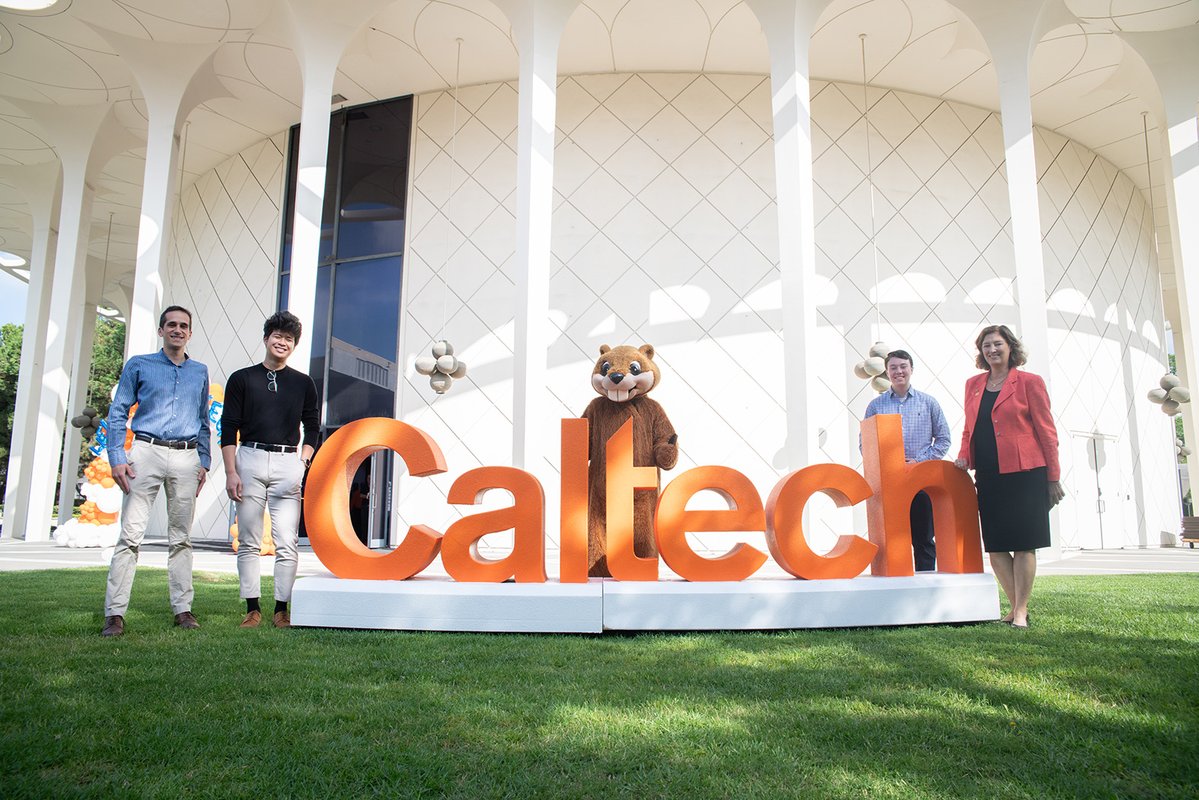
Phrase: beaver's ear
{"type": "Point", "coordinates": [648, 349]}
{"type": "Point", "coordinates": [604, 349]}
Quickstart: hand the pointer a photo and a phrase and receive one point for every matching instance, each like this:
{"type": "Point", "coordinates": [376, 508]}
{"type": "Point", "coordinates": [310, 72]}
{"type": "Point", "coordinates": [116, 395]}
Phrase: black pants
{"type": "Point", "coordinates": [923, 546]}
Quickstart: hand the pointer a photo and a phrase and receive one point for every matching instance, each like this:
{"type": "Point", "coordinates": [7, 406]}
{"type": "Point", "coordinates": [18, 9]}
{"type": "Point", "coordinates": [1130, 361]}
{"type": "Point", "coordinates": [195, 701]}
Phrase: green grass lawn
{"type": "Point", "coordinates": [1100, 698]}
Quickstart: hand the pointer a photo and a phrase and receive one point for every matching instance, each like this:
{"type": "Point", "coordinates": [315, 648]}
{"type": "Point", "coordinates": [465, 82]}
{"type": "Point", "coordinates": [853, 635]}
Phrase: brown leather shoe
{"type": "Point", "coordinates": [186, 619]}
{"type": "Point", "coordinates": [253, 618]}
{"type": "Point", "coordinates": [282, 619]}
{"type": "Point", "coordinates": [113, 626]}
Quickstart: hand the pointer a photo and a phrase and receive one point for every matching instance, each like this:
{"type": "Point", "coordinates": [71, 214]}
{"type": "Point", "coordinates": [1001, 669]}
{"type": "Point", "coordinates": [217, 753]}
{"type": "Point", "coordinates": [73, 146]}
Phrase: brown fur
{"type": "Point", "coordinates": [652, 446]}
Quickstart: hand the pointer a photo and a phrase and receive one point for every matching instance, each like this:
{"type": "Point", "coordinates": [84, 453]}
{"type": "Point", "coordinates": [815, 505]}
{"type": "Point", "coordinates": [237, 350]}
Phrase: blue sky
{"type": "Point", "coordinates": [12, 299]}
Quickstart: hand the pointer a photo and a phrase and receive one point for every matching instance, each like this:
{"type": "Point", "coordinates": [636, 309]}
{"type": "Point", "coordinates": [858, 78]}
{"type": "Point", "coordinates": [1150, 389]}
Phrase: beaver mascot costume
{"type": "Point", "coordinates": [623, 376]}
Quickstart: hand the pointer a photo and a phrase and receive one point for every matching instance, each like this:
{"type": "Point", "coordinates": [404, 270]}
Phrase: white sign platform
{"type": "Point", "coordinates": [440, 604]}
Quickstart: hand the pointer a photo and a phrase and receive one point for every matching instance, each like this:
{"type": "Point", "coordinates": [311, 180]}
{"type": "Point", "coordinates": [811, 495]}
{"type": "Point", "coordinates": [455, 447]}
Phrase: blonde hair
{"type": "Point", "coordinates": [1018, 356]}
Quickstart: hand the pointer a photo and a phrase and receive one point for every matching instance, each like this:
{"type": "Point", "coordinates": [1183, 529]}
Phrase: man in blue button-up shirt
{"type": "Point", "coordinates": [171, 450]}
{"type": "Point", "coordinates": [925, 438]}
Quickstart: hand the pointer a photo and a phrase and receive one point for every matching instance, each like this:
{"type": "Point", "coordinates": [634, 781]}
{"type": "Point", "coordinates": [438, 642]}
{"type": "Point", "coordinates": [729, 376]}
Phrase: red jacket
{"type": "Point", "coordinates": [1025, 435]}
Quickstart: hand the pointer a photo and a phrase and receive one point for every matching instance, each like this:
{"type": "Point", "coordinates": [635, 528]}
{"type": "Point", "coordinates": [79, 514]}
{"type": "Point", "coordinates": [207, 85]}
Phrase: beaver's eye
{"type": "Point", "coordinates": [634, 368]}
{"type": "Point", "coordinates": [604, 368]}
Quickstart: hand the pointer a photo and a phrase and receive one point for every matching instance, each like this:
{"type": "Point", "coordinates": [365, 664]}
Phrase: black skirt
{"type": "Point", "coordinates": [1013, 508]}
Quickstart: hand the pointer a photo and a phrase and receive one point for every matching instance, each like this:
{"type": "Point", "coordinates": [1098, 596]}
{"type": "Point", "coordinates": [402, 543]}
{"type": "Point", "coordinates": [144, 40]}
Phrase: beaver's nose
{"type": "Point", "coordinates": [616, 377]}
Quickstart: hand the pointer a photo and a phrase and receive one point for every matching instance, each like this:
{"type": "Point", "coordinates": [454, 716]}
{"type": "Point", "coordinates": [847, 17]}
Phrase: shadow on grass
{"type": "Point", "coordinates": [1096, 700]}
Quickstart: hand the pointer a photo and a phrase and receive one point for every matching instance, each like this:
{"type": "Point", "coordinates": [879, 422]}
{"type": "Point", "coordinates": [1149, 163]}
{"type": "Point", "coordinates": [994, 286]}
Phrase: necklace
{"type": "Point", "coordinates": [993, 385]}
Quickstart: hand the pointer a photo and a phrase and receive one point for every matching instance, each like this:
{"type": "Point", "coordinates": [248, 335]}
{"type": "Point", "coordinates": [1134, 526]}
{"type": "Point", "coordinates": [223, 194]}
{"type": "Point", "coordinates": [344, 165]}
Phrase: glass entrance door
{"type": "Point", "coordinates": [370, 500]}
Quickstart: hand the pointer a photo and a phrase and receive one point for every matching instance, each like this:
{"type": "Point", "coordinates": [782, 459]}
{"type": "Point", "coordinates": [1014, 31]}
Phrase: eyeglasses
{"type": "Point", "coordinates": [272, 382]}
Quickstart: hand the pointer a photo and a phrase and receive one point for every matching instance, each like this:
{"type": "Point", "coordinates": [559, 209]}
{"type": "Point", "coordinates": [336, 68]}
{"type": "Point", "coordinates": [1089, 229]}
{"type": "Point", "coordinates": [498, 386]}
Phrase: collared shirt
{"type": "Point", "coordinates": [925, 431]}
{"type": "Point", "coordinates": [172, 403]}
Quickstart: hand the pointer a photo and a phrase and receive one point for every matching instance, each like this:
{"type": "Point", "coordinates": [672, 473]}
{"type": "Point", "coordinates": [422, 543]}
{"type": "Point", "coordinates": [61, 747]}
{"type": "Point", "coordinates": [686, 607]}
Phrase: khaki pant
{"type": "Point", "coordinates": [268, 481]}
{"type": "Point", "coordinates": [178, 471]}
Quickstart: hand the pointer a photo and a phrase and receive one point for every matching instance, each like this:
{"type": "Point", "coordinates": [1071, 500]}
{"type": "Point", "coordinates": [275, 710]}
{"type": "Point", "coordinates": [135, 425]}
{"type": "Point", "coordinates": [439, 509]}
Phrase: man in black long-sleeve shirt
{"type": "Point", "coordinates": [266, 404]}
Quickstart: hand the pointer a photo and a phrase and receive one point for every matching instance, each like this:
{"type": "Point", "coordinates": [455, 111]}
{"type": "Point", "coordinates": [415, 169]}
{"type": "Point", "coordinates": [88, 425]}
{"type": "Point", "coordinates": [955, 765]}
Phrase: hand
{"type": "Point", "coordinates": [123, 474]}
{"type": "Point", "coordinates": [960, 463]}
{"type": "Point", "coordinates": [1056, 493]}
{"type": "Point", "coordinates": [233, 486]}
{"type": "Point", "coordinates": [200, 483]}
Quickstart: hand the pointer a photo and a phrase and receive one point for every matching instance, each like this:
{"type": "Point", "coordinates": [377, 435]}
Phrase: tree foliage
{"type": "Point", "coordinates": [10, 370]}
{"type": "Point", "coordinates": [108, 356]}
{"type": "Point", "coordinates": [108, 350]}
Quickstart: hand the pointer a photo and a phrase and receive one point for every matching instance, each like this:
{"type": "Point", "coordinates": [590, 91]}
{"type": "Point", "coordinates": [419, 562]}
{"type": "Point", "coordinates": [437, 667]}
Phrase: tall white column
{"type": "Point", "coordinates": [788, 25]}
{"type": "Point", "coordinates": [40, 183]}
{"type": "Point", "coordinates": [82, 361]}
{"type": "Point", "coordinates": [166, 73]}
{"type": "Point", "coordinates": [538, 27]}
{"type": "Point", "coordinates": [320, 33]}
{"type": "Point", "coordinates": [1012, 30]}
{"type": "Point", "coordinates": [1020, 165]}
{"type": "Point", "coordinates": [73, 131]}
{"type": "Point", "coordinates": [1173, 58]}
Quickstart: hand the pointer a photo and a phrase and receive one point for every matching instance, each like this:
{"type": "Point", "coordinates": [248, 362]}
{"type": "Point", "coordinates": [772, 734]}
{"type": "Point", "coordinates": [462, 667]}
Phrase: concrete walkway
{"type": "Point", "coordinates": [217, 557]}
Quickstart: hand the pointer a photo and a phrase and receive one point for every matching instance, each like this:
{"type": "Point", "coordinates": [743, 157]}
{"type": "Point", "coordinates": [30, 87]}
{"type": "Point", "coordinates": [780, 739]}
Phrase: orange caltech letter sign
{"type": "Point", "coordinates": [327, 500]}
{"type": "Point", "coordinates": [784, 515]}
{"type": "Point", "coordinates": [624, 480]}
{"type": "Point", "coordinates": [526, 518]}
{"type": "Point", "coordinates": [895, 483]}
{"type": "Point", "coordinates": [674, 520]}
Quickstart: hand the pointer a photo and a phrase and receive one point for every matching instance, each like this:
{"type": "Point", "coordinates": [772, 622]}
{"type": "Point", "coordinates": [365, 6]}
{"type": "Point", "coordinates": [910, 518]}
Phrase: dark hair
{"type": "Point", "coordinates": [162, 318]}
{"type": "Point", "coordinates": [903, 354]}
{"type": "Point", "coordinates": [1018, 357]}
{"type": "Point", "coordinates": [284, 322]}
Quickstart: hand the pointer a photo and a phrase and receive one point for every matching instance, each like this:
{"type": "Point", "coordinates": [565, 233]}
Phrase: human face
{"type": "Point", "coordinates": [176, 331]}
{"type": "Point", "coordinates": [899, 372]}
{"type": "Point", "coordinates": [996, 352]}
{"type": "Point", "coordinates": [279, 346]}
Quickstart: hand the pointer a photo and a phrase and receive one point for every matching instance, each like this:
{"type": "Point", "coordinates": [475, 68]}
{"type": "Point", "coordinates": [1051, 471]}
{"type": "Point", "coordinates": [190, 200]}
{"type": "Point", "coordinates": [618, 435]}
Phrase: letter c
{"type": "Point", "coordinates": [327, 500]}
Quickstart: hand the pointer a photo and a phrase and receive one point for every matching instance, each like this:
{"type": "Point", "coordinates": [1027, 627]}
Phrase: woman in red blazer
{"type": "Point", "coordinates": [1010, 442]}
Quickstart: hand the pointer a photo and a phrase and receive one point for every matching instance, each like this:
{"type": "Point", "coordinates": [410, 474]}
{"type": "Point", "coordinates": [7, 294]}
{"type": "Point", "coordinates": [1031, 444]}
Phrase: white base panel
{"type": "Point", "coordinates": [440, 604]}
{"type": "Point", "coordinates": [788, 603]}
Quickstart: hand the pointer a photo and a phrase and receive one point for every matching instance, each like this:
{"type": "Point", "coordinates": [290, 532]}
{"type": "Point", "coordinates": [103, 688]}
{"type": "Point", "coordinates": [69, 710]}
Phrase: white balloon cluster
{"type": "Point", "coordinates": [874, 368]}
{"type": "Point", "coordinates": [1171, 395]}
{"type": "Point", "coordinates": [1180, 448]}
{"type": "Point", "coordinates": [87, 422]}
{"type": "Point", "coordinates": [442, 367]}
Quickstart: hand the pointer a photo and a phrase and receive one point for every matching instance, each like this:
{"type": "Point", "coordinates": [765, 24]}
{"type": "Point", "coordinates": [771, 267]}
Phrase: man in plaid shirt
{"type": "Point", "coordinates": [925, 437]}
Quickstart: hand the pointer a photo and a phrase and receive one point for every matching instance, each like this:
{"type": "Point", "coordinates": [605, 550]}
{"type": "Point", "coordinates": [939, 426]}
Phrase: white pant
{"type": "Point", "coordinates": [268, 480]}
{"type": "Point", "coordinates": [179, 472]}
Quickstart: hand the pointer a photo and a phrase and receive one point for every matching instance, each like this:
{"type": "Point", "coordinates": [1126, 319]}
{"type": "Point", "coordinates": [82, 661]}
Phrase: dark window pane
{"type": "Point", "coordinates": [351, 399]}
{"type": "Point", "coordinates": [284, 287]}
{"type": "Point", "coordinates": [366, 303]}
{"type": "Point", "coordinates": [374, 185]}
{"type": "Point", "coordinates": [333, 160]}
{"type": "Point", "coordinates": [362, 345]}
{"type": "Point", "coordinates": [289, 201]}
{"type": "Point", "coordinates": [319, 329]}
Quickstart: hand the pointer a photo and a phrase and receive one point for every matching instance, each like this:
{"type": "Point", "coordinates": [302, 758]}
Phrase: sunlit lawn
{"type": "Point", "coordinates": [1100, 698]}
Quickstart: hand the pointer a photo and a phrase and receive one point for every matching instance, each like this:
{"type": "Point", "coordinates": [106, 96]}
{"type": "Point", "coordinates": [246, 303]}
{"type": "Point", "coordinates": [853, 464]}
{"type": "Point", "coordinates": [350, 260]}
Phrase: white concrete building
{"type": "Point", "coordinates": [761, 189]}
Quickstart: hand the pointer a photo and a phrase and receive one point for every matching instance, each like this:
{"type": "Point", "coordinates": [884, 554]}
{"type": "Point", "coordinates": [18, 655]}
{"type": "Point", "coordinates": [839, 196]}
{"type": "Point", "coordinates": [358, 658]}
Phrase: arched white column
{"type": "Point", "coordinates": [73, 130]}
{"type": "Point", "coordinates": [320, 32]}
{"type": "Point", "coordinates": [41, 184]}
{"type": "Point", "coordinates": [1012, 30]}
{"type": "Point", "coordinates": [82, 367]}
{"type": "Point", "coordinates": [164, 71]}
{"type": "Point", "coordinates": [1173, 58]}
{"type": "Point", "coordinates": [789, 25]}
{"type": "Point", "coordinates": [538, 26]}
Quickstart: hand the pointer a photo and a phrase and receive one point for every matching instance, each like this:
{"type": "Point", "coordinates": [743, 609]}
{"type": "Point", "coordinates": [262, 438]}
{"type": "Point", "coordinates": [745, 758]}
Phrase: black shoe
{"type": "Point", "coordinates": [186, 619]}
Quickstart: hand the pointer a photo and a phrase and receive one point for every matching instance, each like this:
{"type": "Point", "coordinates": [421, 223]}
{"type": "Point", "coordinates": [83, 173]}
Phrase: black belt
{"type": "Point", "coordinates": [271, 448]}
{"type": "Point", "coordinates": [174, 444]}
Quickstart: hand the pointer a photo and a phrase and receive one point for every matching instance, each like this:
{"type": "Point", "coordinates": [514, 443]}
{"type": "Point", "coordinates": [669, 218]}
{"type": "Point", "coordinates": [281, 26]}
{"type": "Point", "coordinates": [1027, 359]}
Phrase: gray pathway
{"type": "Point", "coordinates": [217, 557]}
